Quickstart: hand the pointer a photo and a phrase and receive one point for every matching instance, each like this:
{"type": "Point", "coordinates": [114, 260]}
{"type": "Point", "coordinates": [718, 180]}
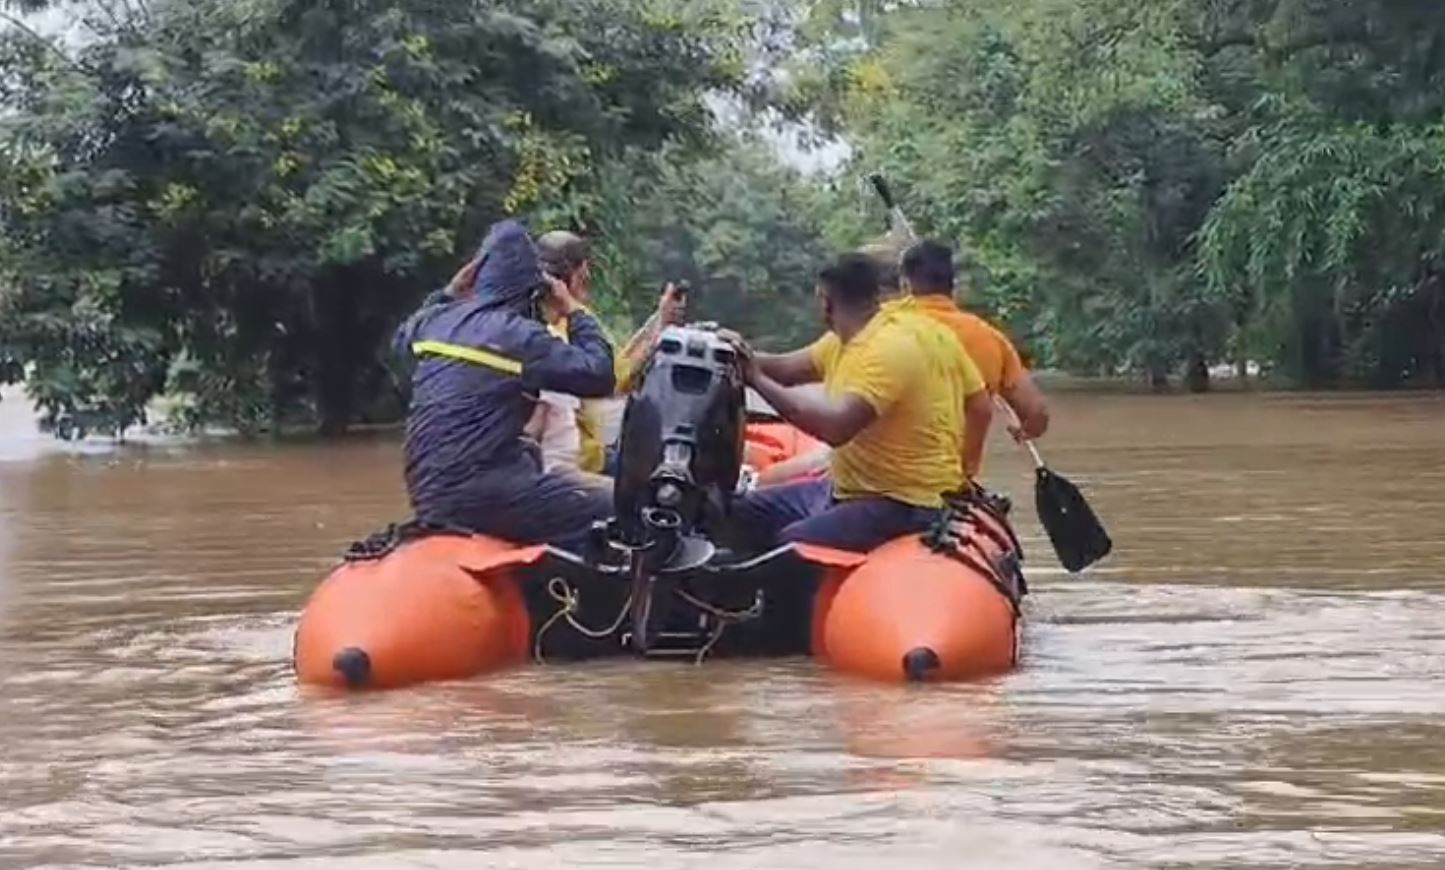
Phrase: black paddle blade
{"type": "Point", "coordinates": [1075, 531]}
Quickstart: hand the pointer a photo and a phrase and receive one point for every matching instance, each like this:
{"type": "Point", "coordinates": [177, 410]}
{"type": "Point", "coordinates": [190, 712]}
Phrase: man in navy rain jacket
{"type": "Point", "coordinates": [482, 357]}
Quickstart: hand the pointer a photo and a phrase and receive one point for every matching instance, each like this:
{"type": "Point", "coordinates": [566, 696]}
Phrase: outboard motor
{"type": "Point", "coordinates": [680, 453]}
{"type": "Point", "coordinates": [681, 445]}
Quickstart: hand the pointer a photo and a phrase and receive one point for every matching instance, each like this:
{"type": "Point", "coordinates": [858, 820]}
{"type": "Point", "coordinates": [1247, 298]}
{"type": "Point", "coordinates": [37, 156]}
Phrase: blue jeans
{"type": "Point", "coordinates": [806, 513]}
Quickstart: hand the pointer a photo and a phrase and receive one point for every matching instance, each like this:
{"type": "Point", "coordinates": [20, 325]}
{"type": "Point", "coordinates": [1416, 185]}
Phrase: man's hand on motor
{"type": "Point", "coordinates": [747, 359]}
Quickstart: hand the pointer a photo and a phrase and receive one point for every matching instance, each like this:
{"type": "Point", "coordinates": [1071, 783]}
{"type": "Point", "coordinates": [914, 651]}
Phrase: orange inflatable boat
{"type": "Point", "coordinates": [771, 443]}
{"type": "Point", "coordinates": [414, 604]}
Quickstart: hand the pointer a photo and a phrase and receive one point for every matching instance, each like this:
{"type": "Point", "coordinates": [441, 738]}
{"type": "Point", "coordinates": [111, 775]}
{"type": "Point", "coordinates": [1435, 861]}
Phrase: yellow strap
{"type": "Point", "coordinates": [473, 355]}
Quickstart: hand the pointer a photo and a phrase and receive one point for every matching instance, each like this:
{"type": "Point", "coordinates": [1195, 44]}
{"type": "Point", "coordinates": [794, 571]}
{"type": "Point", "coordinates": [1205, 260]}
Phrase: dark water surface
{"type": "Point", "coordinates": [1256, 679]}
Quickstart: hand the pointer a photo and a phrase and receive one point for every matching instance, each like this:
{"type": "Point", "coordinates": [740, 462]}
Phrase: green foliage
{"type": "Point", "coordinates": [734, 222]}
{"type": "Point", "coordinates": [1330, 234]}
{"type": "Point", "coordinates": [1143, 184]}
{"type": "Point", "coordinates": [1065, 146]}
{"type": "Point", "coordinates": [242, 198]}
{"type": "Point", "coordinates": [233, 202]}
{"type": "Point", "coordinates": [737, 225]}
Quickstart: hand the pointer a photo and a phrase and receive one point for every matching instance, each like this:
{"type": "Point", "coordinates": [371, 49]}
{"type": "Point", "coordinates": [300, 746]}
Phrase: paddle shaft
{"type": "Point", "coordinates": [885, 193]}
{"type": "Point", "coordinates": [1028, 443]}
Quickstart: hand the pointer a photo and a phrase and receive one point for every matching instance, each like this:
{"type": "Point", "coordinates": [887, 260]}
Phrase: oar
{"type": "Point", "coordinates": [1073, 528]}
{"type": "Point", "coordinates": [880, 184]}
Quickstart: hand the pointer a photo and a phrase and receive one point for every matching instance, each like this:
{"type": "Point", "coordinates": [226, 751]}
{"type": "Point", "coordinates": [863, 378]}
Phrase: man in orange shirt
{"type": "Point", "coordinates": [929, 276]}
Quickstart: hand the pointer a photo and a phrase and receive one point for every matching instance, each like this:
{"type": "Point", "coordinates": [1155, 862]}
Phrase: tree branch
{"type": "Point", "coordinates": [30, 32]}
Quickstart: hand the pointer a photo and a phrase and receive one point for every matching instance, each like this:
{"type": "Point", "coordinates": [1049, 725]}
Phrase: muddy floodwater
{"type": "Point", "coordinates": [1255, 679]}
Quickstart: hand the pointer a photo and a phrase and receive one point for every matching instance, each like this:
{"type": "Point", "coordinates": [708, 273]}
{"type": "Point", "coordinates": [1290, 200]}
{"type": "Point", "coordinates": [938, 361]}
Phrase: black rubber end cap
{"type": "Point", "coordinates": [919, 662]}
{"type": "Point", "coordinates": [354, 665]}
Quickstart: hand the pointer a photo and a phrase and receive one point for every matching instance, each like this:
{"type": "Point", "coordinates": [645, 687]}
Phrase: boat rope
{"type": "Point", "coordinates": [951, 536]}
{"type": "Point", "coordinates": [571, 600]}
{"type": "Point", "coordinates": [729, 616]}
{"type": "Point", "coordinates": [998, 572]}
{"type": "Point", "coordinates": [717, 634]}
{"type": "Point", "coordinates": [992, 504]}
{"type": "Point", "coordinates": [1008, 564]}
{"type": "Point", "coordinates": [724, 619]}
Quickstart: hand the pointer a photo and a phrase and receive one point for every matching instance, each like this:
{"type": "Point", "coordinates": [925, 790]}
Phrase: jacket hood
{"type": "Point", "coordinates": [509, 271]}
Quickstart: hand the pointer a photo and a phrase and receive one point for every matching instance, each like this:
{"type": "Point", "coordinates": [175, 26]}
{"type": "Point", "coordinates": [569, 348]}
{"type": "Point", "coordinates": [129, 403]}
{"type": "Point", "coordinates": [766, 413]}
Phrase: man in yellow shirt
{"type": "Point", "coordinates": [895, 386]}
{"type": "Point", "coordinates": [885, 255]}
{"type": "Point", "coordinates": [928, 272]}
{"type": "Point", "coordinates": [802, 366]}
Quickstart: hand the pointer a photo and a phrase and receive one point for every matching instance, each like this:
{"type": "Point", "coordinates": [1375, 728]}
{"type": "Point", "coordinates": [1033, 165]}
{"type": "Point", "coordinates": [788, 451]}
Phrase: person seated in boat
{"type": "Point", "coordinates": [885, 254]}
{"type": "Point", "coordinates": [928, 273]}
{"type": "Point", "coordinates": [899, 397]}
{"type": "Point", "coordinates": [482, 356]}
{"type": "Point", "coordinates": [571, 430]}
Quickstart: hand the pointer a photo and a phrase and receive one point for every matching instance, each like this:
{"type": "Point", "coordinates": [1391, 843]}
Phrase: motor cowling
{"type": "Point", "coordinates": [681, 444]}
